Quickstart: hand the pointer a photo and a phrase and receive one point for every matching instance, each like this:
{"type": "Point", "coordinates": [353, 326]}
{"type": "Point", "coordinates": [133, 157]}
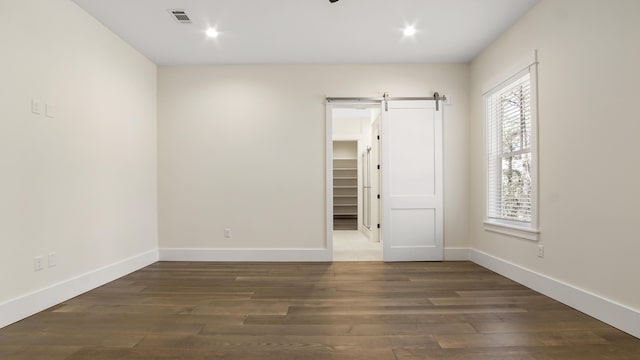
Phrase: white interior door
{"type": "Point", "coordinates": [412, 181]}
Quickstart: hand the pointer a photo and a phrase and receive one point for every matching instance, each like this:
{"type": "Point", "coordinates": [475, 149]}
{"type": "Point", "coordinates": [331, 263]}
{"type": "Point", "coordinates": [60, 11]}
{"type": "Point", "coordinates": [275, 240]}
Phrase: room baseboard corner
{"type": "Point", "coordinates": [32, 303]}
{"type": "Point", "coordinates": [608, 311]}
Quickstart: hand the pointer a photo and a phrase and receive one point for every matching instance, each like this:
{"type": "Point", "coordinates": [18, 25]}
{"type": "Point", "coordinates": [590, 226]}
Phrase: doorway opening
{"type": "Point", "coordinates": [355, 180]}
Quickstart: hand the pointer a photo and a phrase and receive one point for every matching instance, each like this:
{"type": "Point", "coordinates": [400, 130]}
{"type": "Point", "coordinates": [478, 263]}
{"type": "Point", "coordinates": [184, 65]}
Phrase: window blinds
{"type": "Point", "coordinates": [509, 151]}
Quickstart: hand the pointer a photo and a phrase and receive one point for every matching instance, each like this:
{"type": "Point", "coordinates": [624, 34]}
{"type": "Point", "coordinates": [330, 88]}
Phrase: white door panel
{"type": "Point", "coordinates": [411, 227]}
{"type": "Point", "coordinates": [412, 136]}
{"type": "Point", "coordinates": [411, 166]}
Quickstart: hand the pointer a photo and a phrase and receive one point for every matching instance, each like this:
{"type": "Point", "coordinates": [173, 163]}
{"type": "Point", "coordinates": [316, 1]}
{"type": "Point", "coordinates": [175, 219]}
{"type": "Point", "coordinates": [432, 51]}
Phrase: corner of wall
{"type": "Point", "coordinates": [26, 305]}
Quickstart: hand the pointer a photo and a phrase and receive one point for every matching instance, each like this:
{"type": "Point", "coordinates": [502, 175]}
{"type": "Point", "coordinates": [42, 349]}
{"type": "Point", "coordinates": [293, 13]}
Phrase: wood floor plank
{"type": "Point", "coordinates": [325, 342]}
{"type": "Point", "coordinates": [537, 326]}
{"type": "Point", "coordinates": [401, 310]}
{"type": "Point", "coordinates": [242, 307]}
{"type": "Point", "coordinates": [494, 300]}
{"type": "Point", "coordinates": [551, 338]}
{"type": "Point", "coordinates": [369, 310]}
{"type": "Point", "coordinates": [496, 293]}
{"type": "Point", "coordinates": [38, 352]}
{"type": "Point", "coordinates": [376, 319]}
{"type": "Point", "coordinates": [415, 329]}
{"type": "Point", "coordinates": [247, 354]}
{"type": "Point", "coordinates": [464, 354]}
{"type": "Point", "coordinates": [280, 329]}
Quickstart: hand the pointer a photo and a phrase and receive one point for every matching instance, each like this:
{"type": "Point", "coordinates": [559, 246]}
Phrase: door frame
{"type": "Point", "coordinates": [329, 163]}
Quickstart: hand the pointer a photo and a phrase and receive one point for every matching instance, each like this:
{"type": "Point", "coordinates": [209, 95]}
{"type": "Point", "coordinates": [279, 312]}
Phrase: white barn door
{"type": "Point", "coordinates": [412, 181]}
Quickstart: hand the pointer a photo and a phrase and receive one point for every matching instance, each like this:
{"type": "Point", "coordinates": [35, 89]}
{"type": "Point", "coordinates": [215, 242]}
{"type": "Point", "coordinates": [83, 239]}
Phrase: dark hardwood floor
{"type": "Point", "coordinates": [449, 310]}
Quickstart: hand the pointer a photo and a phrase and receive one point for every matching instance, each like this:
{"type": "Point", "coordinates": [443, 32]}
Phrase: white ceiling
{"type": "Point", "coordinates": [309, 31]}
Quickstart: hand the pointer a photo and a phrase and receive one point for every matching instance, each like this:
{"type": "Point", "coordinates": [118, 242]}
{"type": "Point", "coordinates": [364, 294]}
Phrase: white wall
{"type": "Point", "coordinates": [82, 184]}
{"type": "Point", "coordinates": [244, 147]}
{"type": "Point", "coordinates": [588, 138]}
{"type": "Point", "coordinates": [348, 123]}
{"type": "Point", "coordinates": [345, 149]}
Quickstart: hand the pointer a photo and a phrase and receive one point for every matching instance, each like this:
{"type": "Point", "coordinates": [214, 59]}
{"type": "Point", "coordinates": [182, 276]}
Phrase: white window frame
{"type": "Point", "coordinates": [528, 231]}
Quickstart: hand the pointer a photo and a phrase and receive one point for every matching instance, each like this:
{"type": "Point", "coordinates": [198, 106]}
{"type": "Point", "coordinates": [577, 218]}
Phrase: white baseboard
{"type": "Point", "coordinates": [249, 254]}
{"type": "Point", "coordinates": [273, 255]}
{"type": "Point", "coordinates": [26, 305]}
{"type": "Point", "coordinates": [456, 254]}
{"type": "Point", "coordinates": [608, 311]}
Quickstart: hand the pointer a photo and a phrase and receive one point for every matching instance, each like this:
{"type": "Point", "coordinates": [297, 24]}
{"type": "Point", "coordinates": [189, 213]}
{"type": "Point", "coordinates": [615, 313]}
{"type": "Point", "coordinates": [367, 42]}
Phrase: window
{"type": "Point", "coordinates": [511, 156]}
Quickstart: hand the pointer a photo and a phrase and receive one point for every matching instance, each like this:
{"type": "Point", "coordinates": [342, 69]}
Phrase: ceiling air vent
{"type": "Point", "coordinates": [180, 16]}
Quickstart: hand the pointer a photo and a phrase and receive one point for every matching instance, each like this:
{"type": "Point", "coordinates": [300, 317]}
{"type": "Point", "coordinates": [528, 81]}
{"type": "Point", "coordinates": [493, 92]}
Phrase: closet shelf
{"type": "Point", "coordinates": [345, 184]}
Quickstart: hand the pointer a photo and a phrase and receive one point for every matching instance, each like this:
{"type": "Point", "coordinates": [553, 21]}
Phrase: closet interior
{"type": "Point", "coordinates": [345, 185]}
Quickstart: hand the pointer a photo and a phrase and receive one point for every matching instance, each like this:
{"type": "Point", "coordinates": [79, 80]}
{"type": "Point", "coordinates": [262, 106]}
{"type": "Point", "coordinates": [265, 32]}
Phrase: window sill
{"type": "Point", "coordinates": [512, 230]}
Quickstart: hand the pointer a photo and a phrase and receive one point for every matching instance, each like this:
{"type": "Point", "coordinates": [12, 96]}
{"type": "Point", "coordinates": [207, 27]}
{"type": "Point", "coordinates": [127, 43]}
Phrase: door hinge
{"type": "Point", "coordinates": [378, 196]}
{"type": "Point", "coordinates": [378, 167]}
{"type": "Point", "coordinates": [378, 226]}
{"type": "Point", "coordinates": [378, 137]}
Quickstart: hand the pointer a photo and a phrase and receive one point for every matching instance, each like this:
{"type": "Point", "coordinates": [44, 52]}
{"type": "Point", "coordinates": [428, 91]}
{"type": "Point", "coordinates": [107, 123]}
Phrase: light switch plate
{"type": "Point", "coordinates": [48, 111]}
{"type": "Point", "coordinates": [51, 259]}
{"type": "Point", "coordinates": [35, 106]}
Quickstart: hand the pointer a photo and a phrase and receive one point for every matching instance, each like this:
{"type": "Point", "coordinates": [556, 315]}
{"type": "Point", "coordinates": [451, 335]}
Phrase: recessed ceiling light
{"type": "Point", "coordinates": [212, 33]}
{"type": "Point", "coordinates": [409, 31]}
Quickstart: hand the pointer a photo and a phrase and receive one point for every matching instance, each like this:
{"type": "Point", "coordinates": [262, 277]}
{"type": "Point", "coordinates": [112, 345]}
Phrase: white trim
{"type": "Point", "coordinates": [329, 106]}
{"type": "Point", "coordinates": [456, 254]}
{"type": "Point", "coordinates": [520, 68]}
{"type": "Point", "coordinates": [603, 309]}
{"type": "Point", "coordinates": [346, 138]}
{"type": "Point", "coordinates": [516, 68]}
{"type": "Point", "coordinates": [248, 254]}
{"type": "Point", "coordinates": [29, 304]}
{"type": "Point", "coordinates": [535, 156]}
{"type": "Point", "coordinates": [329, 178]}
{"type": "Point", "coordinates": [511, 230]}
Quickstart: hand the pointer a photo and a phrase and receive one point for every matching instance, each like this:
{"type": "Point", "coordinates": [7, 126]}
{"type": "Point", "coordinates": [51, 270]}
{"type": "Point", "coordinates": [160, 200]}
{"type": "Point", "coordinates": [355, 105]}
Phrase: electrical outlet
{"type": "Point", "coordinates": [37, 263]}
{"type": "Point", "coordinates": [227, 233]}
{"type": "Point", "coordinates": [540, 251]}
{"type": "Point", "coordinates": [51, 259]}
